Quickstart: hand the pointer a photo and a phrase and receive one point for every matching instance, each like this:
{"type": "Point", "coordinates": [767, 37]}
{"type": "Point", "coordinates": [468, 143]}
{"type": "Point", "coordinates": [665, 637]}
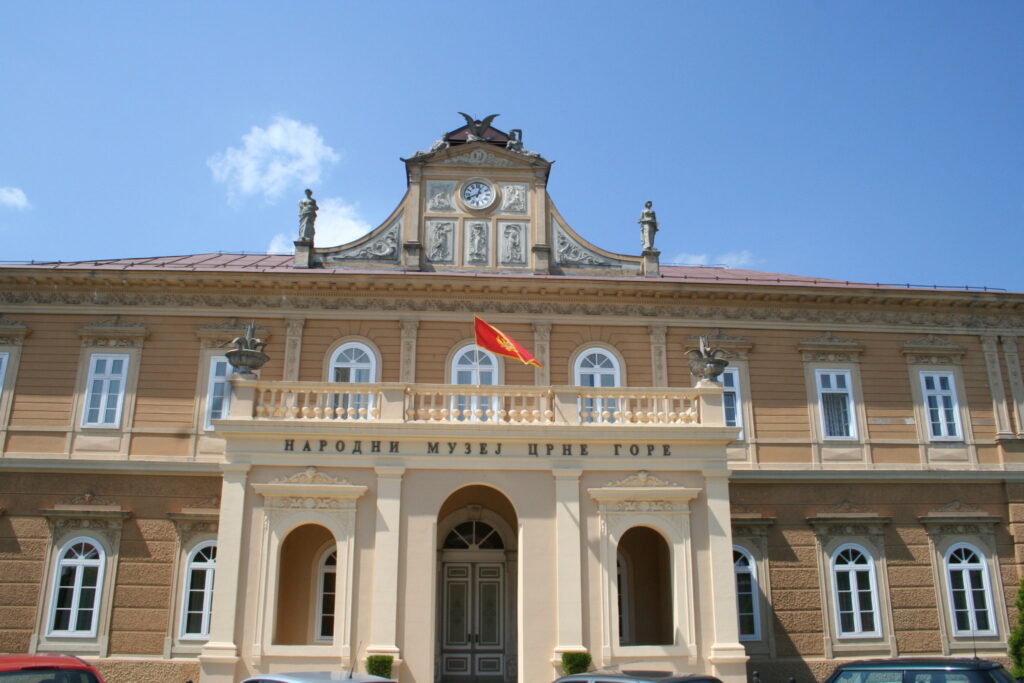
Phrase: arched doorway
{"type": "Point", "coordinates": [476, 571]}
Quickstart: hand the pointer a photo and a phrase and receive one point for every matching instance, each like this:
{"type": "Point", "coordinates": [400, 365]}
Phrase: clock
{"type": "Point", "coordinates": [478, 194]}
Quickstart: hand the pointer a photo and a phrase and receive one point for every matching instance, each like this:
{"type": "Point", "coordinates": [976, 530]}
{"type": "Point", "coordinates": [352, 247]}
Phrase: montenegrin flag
{"type": "Point", "coordinates": [494, 340]}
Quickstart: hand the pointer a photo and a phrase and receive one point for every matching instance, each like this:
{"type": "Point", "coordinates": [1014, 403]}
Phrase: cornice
{"type": "Point", "coordinates": [534, 297]}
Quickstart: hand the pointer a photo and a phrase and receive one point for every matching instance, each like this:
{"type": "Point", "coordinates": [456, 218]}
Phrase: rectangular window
{"type": "Point", "coordinates": [940, 405]}
{"type": "Point", "coordinates": [3, 368]}
{"type": "Point", "coordinates": [731, 398]}
{"type": "Point", "coordinates": [104, 392]}
{"type": "Point", "coordinates": [835, 399]}
{"type": "Point", "coordinates": [218, 392]}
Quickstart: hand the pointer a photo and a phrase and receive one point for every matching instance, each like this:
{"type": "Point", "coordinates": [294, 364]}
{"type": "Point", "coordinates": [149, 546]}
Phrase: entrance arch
{"type": "Point", "coordinates": [476, 568]}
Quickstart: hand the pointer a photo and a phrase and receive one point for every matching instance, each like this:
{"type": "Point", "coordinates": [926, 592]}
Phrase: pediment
{"type": "Point", "coordinates": [483, 155]}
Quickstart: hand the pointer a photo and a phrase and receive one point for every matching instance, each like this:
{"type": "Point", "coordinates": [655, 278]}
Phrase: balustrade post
{"type": "Point", "coordinates": [392, 405]}
{"type": "Point", "coordinates": [710, 409]}
{"type": "Point", "coordinates": [567, 407]}
{"type": "Point", "coordinates": [243, 397]}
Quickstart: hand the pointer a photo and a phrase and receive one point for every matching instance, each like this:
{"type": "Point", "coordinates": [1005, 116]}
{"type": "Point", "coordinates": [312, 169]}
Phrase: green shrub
{"type": "Point", "coordinates": [1016, 641]}
{"type": "Point", "coordinates": [575, 662]}
{"type": "Point", "coordinates": [379, 665]}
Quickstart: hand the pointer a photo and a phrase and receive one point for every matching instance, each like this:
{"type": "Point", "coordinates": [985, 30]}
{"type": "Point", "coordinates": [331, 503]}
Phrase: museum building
{"type": "Point", "coordinates": [218, 465]}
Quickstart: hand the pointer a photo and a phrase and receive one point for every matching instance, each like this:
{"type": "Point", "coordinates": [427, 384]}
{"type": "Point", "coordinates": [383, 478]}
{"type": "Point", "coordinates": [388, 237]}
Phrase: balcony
{"type": "Point", "coordinates": [326, 403]}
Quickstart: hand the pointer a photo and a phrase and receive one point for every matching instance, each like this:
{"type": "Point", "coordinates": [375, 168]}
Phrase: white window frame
{"type": "Point", "coordinates": [209, 571]}
{"type": "Point", "coordinates": [596, 407]}
{"type": "Point", "coordinates": [859, 631]}
{"type": "Point", "coordinates": [755, 597]}
{"type": "Point", "coordinates": [213, 382]}
{"type": "Point", "coordinates": [321, 574]}
{"type": "Point", "coordinates": [4, 359]}
{"type": "Point", "coordinates": [105, 378]}
{"type": "Point", "coordinates": [851, 403]}
{"type": "Point", "coordinates": [981, 565]}
{"type": "Point", "coordinates": [482, 403]}
{"type": "Point", "coordinates": [352, 405]}
{"type": "Point", "coordinates": [734, 387]}
{"type": "Point", "coordinates": [336, 363]}
{"type": "Point", "coordinates": [940, 394]}
{"type": "Point", "coordinates": [81, 565]}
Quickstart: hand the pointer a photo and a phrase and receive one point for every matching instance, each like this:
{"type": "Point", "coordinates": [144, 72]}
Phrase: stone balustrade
{"type": "Point", "coordinates": [464, 404]}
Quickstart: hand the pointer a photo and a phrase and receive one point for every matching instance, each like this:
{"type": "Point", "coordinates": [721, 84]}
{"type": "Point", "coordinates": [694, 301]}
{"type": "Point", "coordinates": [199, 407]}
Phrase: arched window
{"type": "Point", "coordinates": [353, 362]}
{"type": "Point", "coordinates": [856, 598]}
{"type": "Point", "coordinates": [747, 596]}
{"type": "Point", "coordinates": [326, 582]}
{"type": "Point", "coordinates": [472, 365]}
{"type": "Point", "coordinates": [599, 369]}
{"type": "Point", "coordinates": [76, 589]}
{"type": "Point", "coordinates": [970, 598]}
{"type": "Point", "coordinates": [473, 536]}
{"type": "Point", "coordinates": [198, 598]}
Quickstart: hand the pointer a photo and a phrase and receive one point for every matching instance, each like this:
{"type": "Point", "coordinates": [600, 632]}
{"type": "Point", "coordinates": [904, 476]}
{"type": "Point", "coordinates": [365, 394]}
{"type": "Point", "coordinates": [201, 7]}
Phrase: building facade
{"type": "Point", "coordinates": [850, 486]}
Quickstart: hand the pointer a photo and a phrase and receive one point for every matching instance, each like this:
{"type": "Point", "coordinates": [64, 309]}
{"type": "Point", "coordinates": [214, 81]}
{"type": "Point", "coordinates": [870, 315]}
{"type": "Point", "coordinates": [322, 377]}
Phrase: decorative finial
{"type": "Point", "coordinates": [248, 353]}
{"type": "Point", "coordinates": [477, 128]}
{"type": "Point", "coordinates": [648, 226]}
{"type": "Point", "coordinates": [307, 217]}
{"type": "Point", "coordinates": [706, 362]}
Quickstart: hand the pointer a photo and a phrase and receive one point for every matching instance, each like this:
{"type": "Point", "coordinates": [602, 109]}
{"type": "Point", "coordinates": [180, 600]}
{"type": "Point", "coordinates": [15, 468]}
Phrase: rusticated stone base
{"type": "Point", "coordinates": [117, 670]}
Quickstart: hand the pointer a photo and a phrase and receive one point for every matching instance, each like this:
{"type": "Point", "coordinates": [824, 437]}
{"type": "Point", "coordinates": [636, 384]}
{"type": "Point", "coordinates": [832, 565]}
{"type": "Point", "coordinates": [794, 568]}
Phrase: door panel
{"type": "Point", "coordinates": [474, 622]}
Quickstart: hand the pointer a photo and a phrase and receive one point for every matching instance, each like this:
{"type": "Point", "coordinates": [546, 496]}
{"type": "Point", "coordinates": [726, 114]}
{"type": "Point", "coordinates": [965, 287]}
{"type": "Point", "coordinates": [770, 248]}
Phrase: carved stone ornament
{"type": "Point", "coordinates": [220, 334]}
{"type": "Point", "coordinates": [440, 240]}
{"type": "Point", "coordinates": [513, 244]}
{"type": "Point", "coordinates": [958, 507]}
{"type": "Point", "coordinates": [751, 525]}
{"type": "Point", "coordinates": [733, 347]}
{"type": "Point", "coordinates": [829, 348]}
{"type": "Point", "coordinates": [90, 498]}
{"type": "Point", "coordinates": [642, 478]}
{"type": "Point", "coordinates": [310, 489]}
{"type": "Point", "coordinates": [514, 197]}
{"type": "Point", "coordinates": [439, 195]}
{"type": "Point", "coordinates": [478, 157]}
{"type": "Point", "coordinates": [190, 525]}
{"type": "Point", "coordinates": [12, 333]}
{"type": "Point", "coordinates": [847, 519]}
{"type": "Point", "coordinates": [384, 246]}
{"type": "Point", "coordinates": [478, 242]}
{"type": "Point", "coordinates": [569, 252]}
{"type": "Point", "coordinates": [211, 503]}
{"type": "Point", "coordinates": [113, 333]}
{"type": "Point", "coordinates": [933, 350]}
{"type": "Point", "coordinates": [846, 507]}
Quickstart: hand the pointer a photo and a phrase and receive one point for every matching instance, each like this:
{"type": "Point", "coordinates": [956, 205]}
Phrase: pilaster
{"type": "Point", "coordinates": [220, 654]}
{"type": "Point", "coordinates": [727, 656]}
{"type": "Point", "coordinates": [996, 388]}
{"type": "Point", "coordinates": [407, 364]}
{"type": "Point", "coordinates": [293, 348]}
{"type": "Point", "coordinates": [659, 356]}
{"type": "Point", "coordinates": [1012, 357]}
{"type": "Point", "coordinates": [384, 610]}
{"type": "Point", "coordinates": [568, 563]}
{"type": "Point", "coordinates": [542, 352]}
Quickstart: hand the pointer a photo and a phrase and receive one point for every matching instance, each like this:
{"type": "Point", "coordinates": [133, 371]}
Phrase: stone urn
{"type": "Point", "coordinates": [706, 362]}
{"type": "Point", "coordinates": [246, 361]}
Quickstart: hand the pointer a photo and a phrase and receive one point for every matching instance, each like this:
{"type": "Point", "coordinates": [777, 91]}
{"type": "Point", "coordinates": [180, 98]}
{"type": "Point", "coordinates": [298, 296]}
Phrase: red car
{"type": "Point", "coordinates": [46, 669]}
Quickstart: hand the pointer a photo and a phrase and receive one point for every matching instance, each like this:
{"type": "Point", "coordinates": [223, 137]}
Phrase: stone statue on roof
{"type": "Point", "coordinates": [477, 128]}
{"type": "Point", "coordinates": [648, 226]}
{"type": "Point", "coordinates": [307, 217]}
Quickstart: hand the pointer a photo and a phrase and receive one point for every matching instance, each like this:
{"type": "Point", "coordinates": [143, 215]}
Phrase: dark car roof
{"type": "Point", "coordinates": [937, 663]}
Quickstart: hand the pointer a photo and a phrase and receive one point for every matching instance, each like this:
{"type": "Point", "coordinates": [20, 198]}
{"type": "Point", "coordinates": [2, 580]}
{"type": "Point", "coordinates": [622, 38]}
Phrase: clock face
{"type": "Point", "coordinates": [477, 194]}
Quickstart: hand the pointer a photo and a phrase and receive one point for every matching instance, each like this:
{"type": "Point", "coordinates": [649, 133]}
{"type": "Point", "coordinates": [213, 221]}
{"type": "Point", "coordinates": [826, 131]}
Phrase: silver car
{"type": "Point", "coordinates": [628, 676]}
{"type": "Point", "coordinates": [317, 677]}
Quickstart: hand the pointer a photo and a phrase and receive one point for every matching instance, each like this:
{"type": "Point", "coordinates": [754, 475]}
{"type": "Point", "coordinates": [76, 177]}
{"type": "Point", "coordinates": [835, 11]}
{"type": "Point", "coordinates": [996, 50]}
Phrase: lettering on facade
{"type": "Point", "coordinates": [471, 448]}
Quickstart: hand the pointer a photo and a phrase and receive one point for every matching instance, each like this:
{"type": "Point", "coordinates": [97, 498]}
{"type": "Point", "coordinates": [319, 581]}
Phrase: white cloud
{"type": "Point", "coordinates": [337, 222]}
{"type": "Point", "coordinates": [272, 159]}
{"type": "Point", "coordinates": [13, 197]}
{"type": "Point", "coordinates": [731, 259]}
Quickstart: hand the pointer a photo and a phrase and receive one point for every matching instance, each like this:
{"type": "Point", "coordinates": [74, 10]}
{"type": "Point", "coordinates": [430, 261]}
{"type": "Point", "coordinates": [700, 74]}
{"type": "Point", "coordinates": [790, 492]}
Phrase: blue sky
{"type": "Point", "coordinates": [869, 141]}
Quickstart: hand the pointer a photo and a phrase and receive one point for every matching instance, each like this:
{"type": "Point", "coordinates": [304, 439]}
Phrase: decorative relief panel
{"type": "Point", "coordinates": [477, 248]}
{"type": "Point", "coordinates": [12, 333]}
{"type": "Point", "coordinates": [514, 197]}
{"type": "Point", "coordinates": [828, 348]}
{"type": "Point", "coordinates": [440, 241]}
{"type": "Point", "coordinates": [569, 252]}
{"type": "Point", "coordinates": [113, 333]}
{"type": "Point", "coordinates": [310, 489]}
{"type": "Point", "coordinates": [382, 247]}
{"type": "Point", "coordinates": [933, 350]}
{"type": "Point", "coordinates": [439, 195]}
{"type": "Point", "coordinates": [512, 237]}
{"type": "Point", "coordinates": [479, 157]}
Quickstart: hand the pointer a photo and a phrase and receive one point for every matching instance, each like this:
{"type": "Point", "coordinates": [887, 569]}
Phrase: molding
{"type": "Point", "coordinates": [932, 350]}
{"type": "Point", "coordinates": [113, 333]}
{"type": "Point", "coordinates": [12, 333]}
{"type": "Point", "coordinates": [828, 348]}
{"type": "Point", "coordinates": [310, 488]}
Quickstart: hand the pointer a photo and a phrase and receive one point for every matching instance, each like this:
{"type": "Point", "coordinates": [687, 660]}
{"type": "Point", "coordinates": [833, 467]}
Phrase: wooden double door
{"type": "Point", "coordinates": [473, 622]}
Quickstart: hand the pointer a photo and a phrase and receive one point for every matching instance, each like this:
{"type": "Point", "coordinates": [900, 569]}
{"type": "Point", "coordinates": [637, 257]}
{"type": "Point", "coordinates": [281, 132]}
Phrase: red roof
{"type": "Point", "coordinates": [283, 263]}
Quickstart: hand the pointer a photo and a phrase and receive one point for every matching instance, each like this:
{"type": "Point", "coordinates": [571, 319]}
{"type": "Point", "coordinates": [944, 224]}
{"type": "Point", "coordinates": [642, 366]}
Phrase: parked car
{"type": "Point", "coordinates": [636, 676]}
{"type": "Point", "coordinates": [46, 669]}
{"type": "Point", "coordinates": [921, 670]}
{"type": "Point", "coordinates": [316, 677]}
